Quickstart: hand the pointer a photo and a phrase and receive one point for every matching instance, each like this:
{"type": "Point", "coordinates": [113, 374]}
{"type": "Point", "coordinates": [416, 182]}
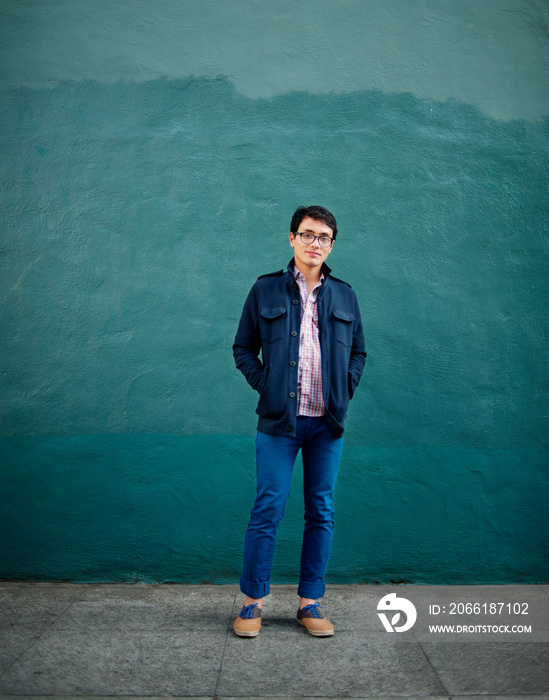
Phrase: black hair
{"type": "Point", "coordinates": [314, 212]}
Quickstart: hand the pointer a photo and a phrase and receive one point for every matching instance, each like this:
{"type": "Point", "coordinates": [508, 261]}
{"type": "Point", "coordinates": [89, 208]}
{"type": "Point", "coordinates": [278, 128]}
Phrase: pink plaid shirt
{"type": "Point", "coordinates": [309, 376]}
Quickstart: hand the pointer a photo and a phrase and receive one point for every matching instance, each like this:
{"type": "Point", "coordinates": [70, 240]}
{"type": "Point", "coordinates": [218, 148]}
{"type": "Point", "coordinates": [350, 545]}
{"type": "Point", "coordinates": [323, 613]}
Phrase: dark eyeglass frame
{"type": "Point", "coordinates": [308, 233]}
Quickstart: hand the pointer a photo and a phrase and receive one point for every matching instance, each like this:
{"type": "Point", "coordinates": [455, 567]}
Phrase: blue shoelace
{"type": "Point", "coordinates": [247, 612]}
{"type": "Point", "coordinates": [314, 608]}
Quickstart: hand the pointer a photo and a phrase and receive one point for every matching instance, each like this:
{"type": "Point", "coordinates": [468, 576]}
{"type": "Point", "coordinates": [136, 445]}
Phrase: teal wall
{"type": "Point", "coordinates": [152, 156]}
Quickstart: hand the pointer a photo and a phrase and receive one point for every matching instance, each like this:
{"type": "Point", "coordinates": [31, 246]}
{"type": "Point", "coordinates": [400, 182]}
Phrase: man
{"type": "Point", "coordinates": [307, 326]}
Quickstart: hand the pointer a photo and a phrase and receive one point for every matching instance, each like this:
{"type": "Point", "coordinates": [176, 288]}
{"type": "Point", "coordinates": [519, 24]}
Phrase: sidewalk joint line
{"type": "Point", "coordinates": [229, 629]}
{"type": "Point", "coordinates": [446, 692]}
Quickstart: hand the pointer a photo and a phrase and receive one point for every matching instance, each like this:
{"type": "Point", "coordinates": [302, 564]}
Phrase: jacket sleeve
{"type": "Point", "coordinates": [247, 343]}
{"type": "Point", "coordinates": [358, 352]}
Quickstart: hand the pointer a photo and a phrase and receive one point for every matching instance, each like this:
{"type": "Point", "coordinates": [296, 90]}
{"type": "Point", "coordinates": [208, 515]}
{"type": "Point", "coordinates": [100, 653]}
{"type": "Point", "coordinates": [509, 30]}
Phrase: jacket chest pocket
{"type": "Point", "coordinates": [343, 322]}
{"type": "Point", "coordinates": [272, 323]}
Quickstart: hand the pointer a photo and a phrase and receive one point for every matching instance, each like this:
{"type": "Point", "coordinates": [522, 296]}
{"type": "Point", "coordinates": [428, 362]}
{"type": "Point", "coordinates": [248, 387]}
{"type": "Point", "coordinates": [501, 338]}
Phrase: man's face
{"type": "Point", "coordinates": [311, 255]}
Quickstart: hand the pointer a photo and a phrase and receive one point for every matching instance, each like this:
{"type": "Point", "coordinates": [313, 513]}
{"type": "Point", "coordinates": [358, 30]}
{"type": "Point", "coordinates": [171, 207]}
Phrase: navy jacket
{"type": "Point", "coordinates": [270, 324]}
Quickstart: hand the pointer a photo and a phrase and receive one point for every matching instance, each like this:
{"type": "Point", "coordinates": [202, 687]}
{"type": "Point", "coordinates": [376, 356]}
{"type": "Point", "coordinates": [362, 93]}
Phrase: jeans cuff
{"type": "Point", "coordinates": [308, 589]}
{"type": "Point", "coordinates": [254, 590]}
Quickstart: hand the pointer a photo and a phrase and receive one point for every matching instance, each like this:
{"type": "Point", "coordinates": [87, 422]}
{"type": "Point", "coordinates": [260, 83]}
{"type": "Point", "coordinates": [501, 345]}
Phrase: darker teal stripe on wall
{"type": "Point", "coordinates": [167, 508]}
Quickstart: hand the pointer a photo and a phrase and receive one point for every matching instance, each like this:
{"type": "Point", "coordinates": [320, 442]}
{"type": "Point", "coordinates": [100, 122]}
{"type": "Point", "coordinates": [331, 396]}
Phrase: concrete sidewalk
{"type": "Point", "coordinates": [100, 640]}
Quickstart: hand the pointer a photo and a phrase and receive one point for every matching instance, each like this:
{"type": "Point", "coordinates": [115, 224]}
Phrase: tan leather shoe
{"type": "Point", "coordinates": [314, 621]}
{"type": "Point", "coordinates": [248, 623]}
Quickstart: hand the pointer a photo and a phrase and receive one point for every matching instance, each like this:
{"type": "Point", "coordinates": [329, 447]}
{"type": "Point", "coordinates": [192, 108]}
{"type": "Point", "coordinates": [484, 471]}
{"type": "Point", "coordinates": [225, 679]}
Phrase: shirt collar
{"type": "Point", "coordinates": [298, 275]}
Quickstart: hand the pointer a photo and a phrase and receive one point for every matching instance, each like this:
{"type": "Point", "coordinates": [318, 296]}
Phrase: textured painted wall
{"type": "Point", "coordinates": [140, 202]}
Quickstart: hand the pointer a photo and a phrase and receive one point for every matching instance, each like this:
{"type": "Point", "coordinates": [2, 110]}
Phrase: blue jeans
{"type": "Point", "coordinates": [275, 458]}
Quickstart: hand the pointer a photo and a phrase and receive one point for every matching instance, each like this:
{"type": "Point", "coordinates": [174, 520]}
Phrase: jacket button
{"type": "Point", "coordinates": [296, 302]}
{"type": "Point", "coordinates": [292, 394]}
{"type": "Point", "coordinates": [293, 363]}
{"type": "Point", "coordinates": [294, 333]}
{"type": "Point", "coordinates": [290, 428]}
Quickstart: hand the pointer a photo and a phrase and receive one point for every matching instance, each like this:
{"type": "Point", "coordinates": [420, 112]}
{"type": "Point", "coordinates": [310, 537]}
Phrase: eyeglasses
{"type": "Point", "coordinates": [308, 238]}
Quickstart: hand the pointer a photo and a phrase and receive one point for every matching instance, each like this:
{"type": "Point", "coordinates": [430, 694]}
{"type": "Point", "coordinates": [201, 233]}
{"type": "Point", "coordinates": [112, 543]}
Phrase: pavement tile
{"type": "Point", "coordinates": [504, 668]}
{"type": "Point", "coordinates": [14, 643]}
{"type": "Point", "coordinates": [347, 697]}
{"type": "Point", "coordinates": [289, 662]}
{"type": "Point", "coordinates": [193, 609]}
{"type": "Point", "coordinates": [500, 697]}
{"type": "Point", "coordinates": [33, 605]}
{"type": "Point", "coordinates": [279, 697]}
{"type": "Point", "coordinates": [99, 662]}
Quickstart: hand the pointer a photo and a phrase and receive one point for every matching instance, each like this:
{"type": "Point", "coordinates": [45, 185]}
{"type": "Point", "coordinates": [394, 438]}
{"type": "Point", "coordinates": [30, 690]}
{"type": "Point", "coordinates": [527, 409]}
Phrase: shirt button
{"type": "Point", "coordinates": [293, 363]}
{"type": "Point", "coordinates": [292, 394]}
{"type": "Point", "coordinates": [294, 333]}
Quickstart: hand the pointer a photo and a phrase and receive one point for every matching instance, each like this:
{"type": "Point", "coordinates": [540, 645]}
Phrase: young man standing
{"type": "Point", "coordinates": [307, 326]}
